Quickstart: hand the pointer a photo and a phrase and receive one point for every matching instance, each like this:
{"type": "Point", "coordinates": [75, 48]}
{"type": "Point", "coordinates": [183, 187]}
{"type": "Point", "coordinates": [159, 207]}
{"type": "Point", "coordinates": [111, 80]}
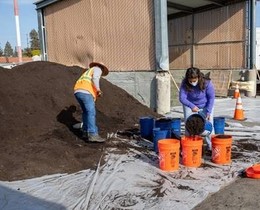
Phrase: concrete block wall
{"type": "Point", "coordinates": [142, 85]}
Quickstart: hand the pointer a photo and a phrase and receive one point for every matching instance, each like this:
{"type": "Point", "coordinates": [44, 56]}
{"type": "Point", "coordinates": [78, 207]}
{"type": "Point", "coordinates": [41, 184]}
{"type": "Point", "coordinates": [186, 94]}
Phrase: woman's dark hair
{"type": "Point", "coordinates": [192, 73]}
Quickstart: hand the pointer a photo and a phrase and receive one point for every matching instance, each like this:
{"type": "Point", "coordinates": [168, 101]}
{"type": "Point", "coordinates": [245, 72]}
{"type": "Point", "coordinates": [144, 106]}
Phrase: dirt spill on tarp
{"type": "Point", "coordinates": [37, 111]}
{"type": "Point", "coordinates": [241, 147]}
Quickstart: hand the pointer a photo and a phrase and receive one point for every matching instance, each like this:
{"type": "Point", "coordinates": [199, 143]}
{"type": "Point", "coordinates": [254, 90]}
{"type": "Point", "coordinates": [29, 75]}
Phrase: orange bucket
{"type": "Point", "coordinates": [221, 149]}
{"type": "Point", "coordinates": [169, 152]}
{"type": "Point", "coordinates": [191, 150]}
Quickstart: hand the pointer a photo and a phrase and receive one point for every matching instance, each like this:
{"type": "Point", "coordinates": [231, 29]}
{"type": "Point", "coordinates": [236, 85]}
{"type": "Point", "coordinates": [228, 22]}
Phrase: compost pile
{"type": "Point", "coordinates": [37, 112]}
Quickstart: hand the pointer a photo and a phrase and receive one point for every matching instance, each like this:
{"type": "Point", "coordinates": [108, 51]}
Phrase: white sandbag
{"type": "Point", "coordinates": [163, 92]}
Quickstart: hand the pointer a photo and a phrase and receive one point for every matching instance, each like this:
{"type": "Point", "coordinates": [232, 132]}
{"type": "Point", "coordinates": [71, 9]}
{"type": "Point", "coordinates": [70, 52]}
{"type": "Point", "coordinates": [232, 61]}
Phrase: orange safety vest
{"type": "Point", "coordinates": [85, 83]}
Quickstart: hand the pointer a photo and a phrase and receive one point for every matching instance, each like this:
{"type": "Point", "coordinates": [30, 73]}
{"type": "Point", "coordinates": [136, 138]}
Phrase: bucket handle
{"type": "Point", "coordinates": [200, 112]}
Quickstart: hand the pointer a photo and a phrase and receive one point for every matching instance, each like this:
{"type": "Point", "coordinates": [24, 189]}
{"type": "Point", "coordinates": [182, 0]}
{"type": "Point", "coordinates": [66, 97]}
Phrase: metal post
{"type": "Point", "coordinates": [161, 35]}
{"type": "Point", "coordinates": [252, 33]}
{"type": "Point", "coordinates": [193, 59]}
{"type": "Point", "coordinates": [42, 36]}
{"type": "Point", "coordinates": [163, 90]}
{"type": "Point", "coordinates": [251, 73]}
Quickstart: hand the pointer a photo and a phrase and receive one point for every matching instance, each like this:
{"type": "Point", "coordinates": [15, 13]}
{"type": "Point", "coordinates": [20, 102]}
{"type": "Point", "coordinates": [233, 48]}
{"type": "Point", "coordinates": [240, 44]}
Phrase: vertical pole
{"type": "Point", "coordinates": [161, 35]}
{"type": "Point", "coordinates": [42, 34]}
{"type": "Point", "coordinates": [252, 33]}
{"type": "Point", "coordinates": [163, 85]}
{"type": "Point", "coordinates": [18, 36]}
{"type": "Point", "coordinates": [193, 44]}
{"type": "Point", "coordinates": [251, 73]}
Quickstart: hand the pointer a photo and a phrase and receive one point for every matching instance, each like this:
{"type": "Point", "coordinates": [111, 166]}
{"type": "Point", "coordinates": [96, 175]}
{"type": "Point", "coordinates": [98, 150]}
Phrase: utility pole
{"type": "Point", "coordinates": [18, 35]}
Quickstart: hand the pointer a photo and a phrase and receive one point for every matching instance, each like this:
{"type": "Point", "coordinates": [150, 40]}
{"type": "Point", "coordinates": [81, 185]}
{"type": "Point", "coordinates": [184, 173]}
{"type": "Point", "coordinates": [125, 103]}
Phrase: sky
{"type": "Point", "coordinates": [28, 21]}
{"type": "Point", "coordinates": [258, 14]}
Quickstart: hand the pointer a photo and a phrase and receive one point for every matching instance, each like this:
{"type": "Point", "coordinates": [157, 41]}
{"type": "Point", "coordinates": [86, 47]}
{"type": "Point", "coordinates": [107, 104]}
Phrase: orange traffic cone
{"type": "Point", "coordinates": [239, 112]}
{"type": "Point", "coordinates": [236, 93]}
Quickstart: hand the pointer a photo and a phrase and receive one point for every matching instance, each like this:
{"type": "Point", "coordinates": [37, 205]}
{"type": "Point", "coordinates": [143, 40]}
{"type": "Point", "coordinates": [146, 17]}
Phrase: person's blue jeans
{"type": "Point", "coordinates": [187, 112]}
{"type": "Point", "coordinates": [87, 105]}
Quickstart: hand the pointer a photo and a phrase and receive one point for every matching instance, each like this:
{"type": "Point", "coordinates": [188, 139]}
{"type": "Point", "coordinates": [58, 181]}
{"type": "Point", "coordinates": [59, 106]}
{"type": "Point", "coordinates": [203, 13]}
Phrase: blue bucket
{"type": "Point", "coordinates": [207, 128]}
{"type": "Point", "coordinates": [176, 126]}
{"type": "Point", "coordinates": [158, 135]}
{"type": "Point", "coordinates": [163, 123]}
{"type": "Point", "coordinates": [146, 127]}
{"type": "Point", "coordinates": [219, 125]}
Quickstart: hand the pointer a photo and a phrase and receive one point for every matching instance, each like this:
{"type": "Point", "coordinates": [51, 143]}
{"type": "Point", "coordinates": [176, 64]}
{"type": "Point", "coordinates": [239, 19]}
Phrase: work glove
{"type": "Point", "coordinates": [99, 93]}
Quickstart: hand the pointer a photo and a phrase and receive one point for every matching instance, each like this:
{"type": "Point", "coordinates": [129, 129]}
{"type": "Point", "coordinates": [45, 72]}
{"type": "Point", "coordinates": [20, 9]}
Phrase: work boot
{"type": "Point", "coordinates": [95, 138]}
{"type": "Point", "coordinates": [84, 135]}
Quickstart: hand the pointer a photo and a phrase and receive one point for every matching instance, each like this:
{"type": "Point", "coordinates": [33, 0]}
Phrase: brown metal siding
{"type": "Point", "coordinates": [216, 40]}
{"type": "Point", "coordinates": [180, 31]}
{"type": "Point", "coordinates": [180, 57]}
{"type": "Point", "coordinates": [118, 33]}
{"type": "Point", "coordinates": [223, 24]}
{"type": "Point", "coordinates": [219, 56]}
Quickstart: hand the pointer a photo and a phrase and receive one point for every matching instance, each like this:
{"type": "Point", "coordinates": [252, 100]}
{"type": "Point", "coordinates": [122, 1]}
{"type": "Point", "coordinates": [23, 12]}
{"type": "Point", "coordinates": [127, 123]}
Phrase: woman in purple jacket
{"type": "Point", "coordinates": [197, 94]}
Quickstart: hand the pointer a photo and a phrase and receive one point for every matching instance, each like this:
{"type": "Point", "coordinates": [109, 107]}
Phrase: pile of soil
{"type": "Point", "coordinates": [37, 112]}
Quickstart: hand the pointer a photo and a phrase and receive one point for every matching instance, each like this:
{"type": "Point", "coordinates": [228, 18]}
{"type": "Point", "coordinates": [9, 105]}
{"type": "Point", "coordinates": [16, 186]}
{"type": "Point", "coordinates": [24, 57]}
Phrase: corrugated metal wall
{"type": "Point", "coordinates": [213, 39]}
{"type": "Point", "coordinates": [258, 48]}
{"type": "Point", "coordinates": [118, 33]}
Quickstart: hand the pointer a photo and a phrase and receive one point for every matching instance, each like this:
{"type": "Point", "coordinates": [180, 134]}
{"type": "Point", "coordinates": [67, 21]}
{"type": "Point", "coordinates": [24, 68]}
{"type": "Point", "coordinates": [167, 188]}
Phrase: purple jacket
{"type": "Point", "coordinates": [196, 97]}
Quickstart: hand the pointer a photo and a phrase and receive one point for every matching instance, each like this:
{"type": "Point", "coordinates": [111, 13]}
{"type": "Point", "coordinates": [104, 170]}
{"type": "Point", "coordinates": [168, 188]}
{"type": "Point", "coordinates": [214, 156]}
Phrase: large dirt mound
{"type": "Point", "coordinates": [37, 111]}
